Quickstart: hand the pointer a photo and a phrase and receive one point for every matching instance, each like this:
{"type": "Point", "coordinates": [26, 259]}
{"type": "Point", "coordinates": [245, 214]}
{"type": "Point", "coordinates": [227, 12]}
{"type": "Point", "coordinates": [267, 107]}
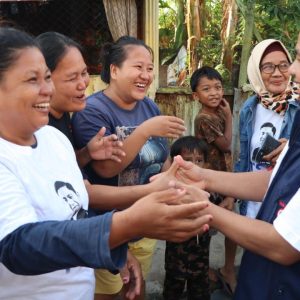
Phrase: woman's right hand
{"type": "Point", "coordinates": [172, 214]}
{"type": "Point", "coordinates": [164, 126]}
{"type": "Point", "coordinates": [273, 156]}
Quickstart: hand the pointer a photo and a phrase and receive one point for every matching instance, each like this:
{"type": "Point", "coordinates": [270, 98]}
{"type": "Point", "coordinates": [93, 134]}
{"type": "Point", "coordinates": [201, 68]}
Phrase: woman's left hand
{"type": "Point", "coordinates": [273, 156]}
{"type": "Point", "coordinates": [102, 147]}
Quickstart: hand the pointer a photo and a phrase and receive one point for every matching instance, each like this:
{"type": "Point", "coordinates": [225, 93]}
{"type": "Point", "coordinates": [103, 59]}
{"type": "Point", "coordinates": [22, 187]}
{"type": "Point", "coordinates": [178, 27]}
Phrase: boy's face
{"type": "Point", "coordinates": [209, 92]}
{"type": "Point", "coordinates": [195, 157]}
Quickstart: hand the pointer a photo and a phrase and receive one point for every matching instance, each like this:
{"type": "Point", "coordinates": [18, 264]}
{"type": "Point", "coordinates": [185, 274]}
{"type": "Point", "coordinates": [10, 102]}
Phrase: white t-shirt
{"type": "Point", "coordinates": [266, 122]}
{"type": "Point", "coordinates": [33, 188]}
{"type": "Point", "coordinates": [287, 223]}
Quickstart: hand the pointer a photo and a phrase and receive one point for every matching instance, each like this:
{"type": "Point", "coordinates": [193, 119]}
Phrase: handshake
{"type": "Point", "coordinates": [174, 210]}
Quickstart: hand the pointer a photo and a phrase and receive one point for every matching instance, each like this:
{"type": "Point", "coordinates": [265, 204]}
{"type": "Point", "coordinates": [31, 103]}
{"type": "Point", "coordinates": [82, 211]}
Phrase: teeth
{"type": "Point", "coordinates": [42, 105]}
{"type": "Point", "coordinates": [141, 85]}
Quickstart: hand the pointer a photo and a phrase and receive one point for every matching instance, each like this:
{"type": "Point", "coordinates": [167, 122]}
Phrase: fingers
{"type": "Point", "coordinates": [133, 283]}
{"type": "Point", "coordinates": [272, 156]}
{"type": "Point", "coordinates": [185, 211]}
{"type": "Point", "coordinates": [182, 163]}
{"type": "Point", "coordinates": [124, 274]}
{"type": "Point", "coordinates": [170, 196]}
{"type": "Point", "coordinates": [113, 137]}
{"type": "Point", "coordinates": [154, 177]}
{"type": "Point", "coordinates": [101, 133]}
{"type": "Point", "coordinates": [175, 127]}
{"type": "Point", "coordinates": [195, 191]}
{"type": "Point", "coordinates": [173, 168]}
{"type": "Point", "coordinates": [189, 227]}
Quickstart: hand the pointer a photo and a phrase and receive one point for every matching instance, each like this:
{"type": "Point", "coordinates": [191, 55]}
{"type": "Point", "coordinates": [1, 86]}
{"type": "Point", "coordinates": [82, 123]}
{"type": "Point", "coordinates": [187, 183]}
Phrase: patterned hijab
{"type": "Point", "coordinates": [279, 102]}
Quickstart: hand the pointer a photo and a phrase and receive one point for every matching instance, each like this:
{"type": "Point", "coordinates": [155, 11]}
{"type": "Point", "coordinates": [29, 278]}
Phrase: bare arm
{"type": "Point", "coordinates": [224, 142]}
{"type": "Point", "coordinates": [163, 126]}
{"type": "Point", "coordinates": [106, 197]}
{"type": "Point", "coordinates": [249, 185]}
{"type": "Point", "coordinates": [255, 235]}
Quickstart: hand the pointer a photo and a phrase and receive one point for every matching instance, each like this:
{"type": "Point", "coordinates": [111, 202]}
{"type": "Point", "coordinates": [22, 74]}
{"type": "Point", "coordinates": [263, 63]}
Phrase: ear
{"type": "Point", "coordinates": [195, 96]}
{"type": "Point", "coordinates": [113, 71]}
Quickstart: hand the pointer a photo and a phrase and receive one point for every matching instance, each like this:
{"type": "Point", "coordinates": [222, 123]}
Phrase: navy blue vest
{"type": "Point", "coordinates": [259, 277]}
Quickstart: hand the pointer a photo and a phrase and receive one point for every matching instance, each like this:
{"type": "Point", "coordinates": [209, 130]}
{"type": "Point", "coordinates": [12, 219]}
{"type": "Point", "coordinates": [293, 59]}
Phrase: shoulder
{"type": "Point", "coordinates": [149, 102]}
{"type": "Point", "coordinates": [50, 136]}
{"type": "Point", "coordinates": [250, 102]}
{"type": "Point", "coordinates": [205, 117]}
{"type": "Point", "coordinates": [147, 106]}
{"type": "Point", "coordinates": [96, 100]}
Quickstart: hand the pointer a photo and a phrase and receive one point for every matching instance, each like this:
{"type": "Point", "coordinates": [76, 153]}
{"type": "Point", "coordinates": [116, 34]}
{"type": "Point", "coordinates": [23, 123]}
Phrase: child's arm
{"type": "Point", "coordinates": [224, 142]}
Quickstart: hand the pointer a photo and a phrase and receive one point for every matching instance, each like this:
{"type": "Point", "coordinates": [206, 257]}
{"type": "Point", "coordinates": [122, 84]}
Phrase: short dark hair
{"type": "Point", "coordinates": [268, 124]}
{"type": "Point", "coordinates": [116, 53]}
{"type": "Point", "coordinates": [54, 46]}
{"type": "Point", "coordinates": [12, 41]}
{"type": "Point", "coordinates": [60, 184]}
{"type": "Point", "coordinates": [205, 71]}
{"type": "Point", "coordinates": [189, 143]}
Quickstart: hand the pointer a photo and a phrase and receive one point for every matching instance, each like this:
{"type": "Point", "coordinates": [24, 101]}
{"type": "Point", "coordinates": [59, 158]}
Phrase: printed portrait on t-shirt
{"type": "Point", "coordinates": [68, 194]}
{"type": "Point", "coordinates": [147, 163]}
{"type": "Point", "coordinates": [265, 129]}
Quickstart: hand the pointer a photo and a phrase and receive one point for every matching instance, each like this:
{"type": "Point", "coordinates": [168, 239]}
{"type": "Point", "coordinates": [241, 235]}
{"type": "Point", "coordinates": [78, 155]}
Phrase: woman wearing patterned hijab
{"type": "Point", "coordinates": [269, 112]}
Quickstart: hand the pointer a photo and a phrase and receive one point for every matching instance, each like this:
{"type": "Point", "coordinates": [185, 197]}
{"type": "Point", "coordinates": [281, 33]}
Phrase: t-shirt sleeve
{"type": "Point", "coordinates": [55, 245]}
{"type": "Point", "coordinates": [87, 123]}
{"type": "Point", "coordinates": [205, 128]}
{"type": "Point", "coordinates": [287, 223]}
{"type": "Point", "coordinates": [15, 208]}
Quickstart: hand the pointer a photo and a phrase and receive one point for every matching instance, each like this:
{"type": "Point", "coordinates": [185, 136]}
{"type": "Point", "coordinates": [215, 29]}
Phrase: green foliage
{"type": "Point", "coordinates": [210, 46]}
{"type": "Point", "coordinates": [279, 19]}
{"type": "Point", "coordinates": [167, 27]}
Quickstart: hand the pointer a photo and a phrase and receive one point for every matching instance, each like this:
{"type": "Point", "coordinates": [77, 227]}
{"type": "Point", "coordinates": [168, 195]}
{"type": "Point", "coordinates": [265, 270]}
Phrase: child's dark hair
{"type": "Point", "coordinates": [54, 46]}
{"type": "Point", "coordinates": [189, 143]}
{"type": "Point", "coordinates": [116, 53]}
{"type": "Point", "coordinates": [205, 71]}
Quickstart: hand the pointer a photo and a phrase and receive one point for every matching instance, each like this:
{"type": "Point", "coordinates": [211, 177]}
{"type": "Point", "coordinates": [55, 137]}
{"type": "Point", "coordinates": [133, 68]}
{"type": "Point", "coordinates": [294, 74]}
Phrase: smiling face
{"type": "Point", "coordinates": [130, 82]}
{"type": "Point", "coordinates": [70, 79]}
{"type": "Point", "coordinates": [25, 92]}
{"type": "Point", "coordinates": [209, 92]}
{"type": "Point", "coordinates": [277, 81]}
{"type": "Point", "coordinates": [295, 66]}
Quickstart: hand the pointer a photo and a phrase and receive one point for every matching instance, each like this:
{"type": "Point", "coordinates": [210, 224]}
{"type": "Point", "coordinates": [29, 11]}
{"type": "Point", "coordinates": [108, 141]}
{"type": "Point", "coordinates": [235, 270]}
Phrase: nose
{"type": "Point", "coordinates": [47, 88]}
{"type": "Point", "coordinates": [83, 82]}
{"type": "Point", "coordinates": [277, 72]}
{"type": "Point", "coordinates": [145, 74]}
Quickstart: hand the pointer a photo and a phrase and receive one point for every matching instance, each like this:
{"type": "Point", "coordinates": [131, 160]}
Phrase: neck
{"type": "Point", "coordinates": [209, 110]}
{"type": "Point", "coordinates": [118, 100]}
{"type": "Point", "coordinates": [17, 136]}
{"type": "Point", "coordinates": [55, 113]}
